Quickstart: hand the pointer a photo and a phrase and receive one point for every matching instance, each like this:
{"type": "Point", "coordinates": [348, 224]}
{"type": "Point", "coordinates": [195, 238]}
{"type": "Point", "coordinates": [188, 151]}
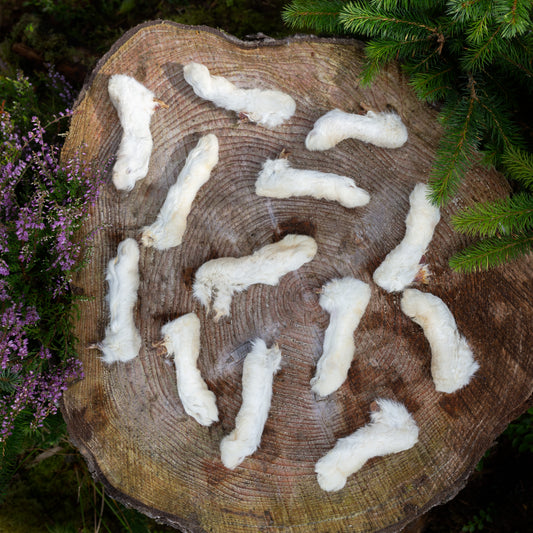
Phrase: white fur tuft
{"type": "Point", "coordinates": [181, 338]}
{"type": "Point", "coordinates": [168, 229]}
{"type": "Point", "coordinates": [452, 361]}
{"type": "Point", "coordinates": [279, 180]}
{"type": "Point", "coordinates": [391, 430]}
{"type": "Point", "coordinates": [259, 367]}
{"type": "Point", "coordinates": [122, 341]}
{"type": "Point", "coordinates": [381, 129]}
{"type": "Point", "coordinates": [224, 276]}
{"type": "Point", "coordinates": [266, 107]}
{"type": "Point", "coordinates": [402, 264]}
{"type": "Point", "coordinates": [346, 300]}
{"type": "Point", "coordinates": [135, 105]}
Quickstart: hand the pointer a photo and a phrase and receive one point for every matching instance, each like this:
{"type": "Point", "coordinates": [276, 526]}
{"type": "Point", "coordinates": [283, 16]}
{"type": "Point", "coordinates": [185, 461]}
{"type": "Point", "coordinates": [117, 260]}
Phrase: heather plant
{"type": "Point", "coordinates": [42, 205]}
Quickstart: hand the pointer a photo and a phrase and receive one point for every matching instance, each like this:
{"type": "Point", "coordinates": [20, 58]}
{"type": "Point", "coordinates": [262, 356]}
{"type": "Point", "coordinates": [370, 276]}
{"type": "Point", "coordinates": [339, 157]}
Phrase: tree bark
{"type": "Point", "coordinates": [127, 419]}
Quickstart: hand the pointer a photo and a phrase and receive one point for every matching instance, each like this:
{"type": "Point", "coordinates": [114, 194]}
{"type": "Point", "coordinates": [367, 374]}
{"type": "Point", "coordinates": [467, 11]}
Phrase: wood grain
{"type": "Point", "coordinates": [127, 419]}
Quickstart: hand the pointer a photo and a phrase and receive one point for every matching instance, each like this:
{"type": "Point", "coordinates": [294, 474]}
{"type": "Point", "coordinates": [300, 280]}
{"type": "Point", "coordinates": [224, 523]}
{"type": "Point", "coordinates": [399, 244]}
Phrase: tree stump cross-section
{"type": "Point", "coordinates": [126, 418]}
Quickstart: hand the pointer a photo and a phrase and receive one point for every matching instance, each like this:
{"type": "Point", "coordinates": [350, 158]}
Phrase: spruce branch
{"type": "Point", "coordinates": [419, 6]}
{"type": "Point", "coordinates": [519, 166]}
{"type": "Point", "coordinates": [457, 148]}
{"type": "Point", "coordinates": [492, 252]}
{"type": "Point", "coordinates": [432, 85]}
{"type": "Point", "coordinates": [396, 23]}
{"type": "Point", "coordinates": [380, 52]}
{"type": "Point", "coordinates": [317, 15]}
{"type": "Point", "coordinates": [465, 11]}
{"type": "Point", "coordinates": [504, 216]}
{"type": "Point", "coordinates": [514, 15]}
{"type": "Point", "coordinates": [501, 128]}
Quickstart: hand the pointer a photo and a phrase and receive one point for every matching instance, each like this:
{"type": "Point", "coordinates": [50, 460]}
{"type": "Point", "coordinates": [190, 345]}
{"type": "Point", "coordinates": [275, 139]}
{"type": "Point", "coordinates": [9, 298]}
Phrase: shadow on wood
{"type": "Point", "coordinates": [127, 419]}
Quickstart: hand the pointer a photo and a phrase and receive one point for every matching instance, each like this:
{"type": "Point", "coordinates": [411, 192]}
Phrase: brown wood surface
{"type": "Point", "coordinates": [127, 419]}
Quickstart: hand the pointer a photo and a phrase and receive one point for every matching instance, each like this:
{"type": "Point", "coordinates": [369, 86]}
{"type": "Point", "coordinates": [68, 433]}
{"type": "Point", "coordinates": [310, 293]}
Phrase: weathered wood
{"type": "Point", "coordinates": [127, 419]}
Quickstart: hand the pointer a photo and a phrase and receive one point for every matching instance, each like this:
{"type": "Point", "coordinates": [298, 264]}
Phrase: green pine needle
{"type": "Point", "coordinates": [380, 52]}
{"type": "Point", "coordinates": [321, 16]}
{"type": "Point", "coordinates": [519, 166]}
{"type": "Point", "coordinates": [457, 149]}
{"type": "Point", "coordinates": [492, 252]}
{"type": "Point", "coordinates": [434, 84]}
{"type": "Point", "coordinates": [515, 17]}
{"type": "Point", "coordinates": [489, 219]}
{"type": "Point", "coordinates": [397, 24]}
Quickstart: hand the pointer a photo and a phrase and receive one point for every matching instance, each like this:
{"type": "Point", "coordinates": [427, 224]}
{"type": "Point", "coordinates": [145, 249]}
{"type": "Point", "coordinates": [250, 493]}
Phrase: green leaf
{"type": "Point", "coordinates": [492, 252]}
{"type": "Point", "coordinates": [503, 216]}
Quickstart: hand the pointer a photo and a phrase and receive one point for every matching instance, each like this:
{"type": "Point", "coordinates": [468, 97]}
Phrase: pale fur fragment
{"type": "Point", "coordinates": [346, 300]}
{"type": "Point", "coordinates": [266, 107]}
{"type": "Point", "coordinates": [391, 430]}
{"type": "Point", "coordinates": [220, 278]}
{"type": "Point", "coordinates": [181, 338]}
{"type": "Point", "coordinates": [452, 361]}
{"type": "Point", "coordinates": [384, 129]}
{"type": "Point", "coordinates": [402, 264]}
{"type": "Point", "coordinates": [168, 229]}
{"type": "Point", "coordinates": [278, 179]}
{"type": "Point", "coordinates": [258, 371]}
{"type": "Point", "coordinates": [135, 105]}
{"type": "Point", "coordinates": [122, 340]}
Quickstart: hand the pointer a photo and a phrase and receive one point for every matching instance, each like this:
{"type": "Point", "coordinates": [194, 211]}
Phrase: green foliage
{"type": "Point", "coordinates": [504, 216]}
{"type": "Point", "coordinates": [479, 521]}
{"type": "Point", "coordinates": [54, 492]}
{"type": "Point", "coordinates": [520, 432]}
{"type": "Point", "coordinates": [322, 15]}
{"type": "Point", "coordinates": [475, 59]}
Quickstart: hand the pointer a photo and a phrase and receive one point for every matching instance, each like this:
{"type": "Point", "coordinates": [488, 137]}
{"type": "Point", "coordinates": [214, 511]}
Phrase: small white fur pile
{"type": "Point", "coordinates": [384, 129]}
{"type": "Point", "coordinates": [402, 264]}
{"type": "Point", "coordinates": [181, 338]}
{"type": "Point", "coordinates": [122, 340]}
{"type": "Point", "coordinates": [266, 107]}
{"type": "Point", "coordinates": [279, 180]}
{"type": "Point", "coordinates": [259, 368]}
{"type": "Point", "coordinates": [135, 105]}
{"type": "Point", "coordinates": [346, 300]}
{"type": "Point", "coordinates": [226, 275]}
{"type": "Point", "coordinates": [452, 361]}
{"type": "Point", "coordinates": [391, 430]}
{"type": "Point", "coordinates": [168, 229]}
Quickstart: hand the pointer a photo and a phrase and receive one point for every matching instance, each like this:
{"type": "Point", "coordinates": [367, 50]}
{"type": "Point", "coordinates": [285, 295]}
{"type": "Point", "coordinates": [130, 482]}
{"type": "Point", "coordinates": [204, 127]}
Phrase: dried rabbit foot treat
{"type": "Point", "coordinates": [220, 278]}
{"type": "Point", "coordinates": [266, 107]}
{"type": "Point", "coordinates": [122, 341]}
{"type": "Point", "coordinates": [391, 430]}
{"type": "Point", "coordinates": [279, 180]}
{"type": "Point", "coordinates": [181, 338]}
{"type": "Point", "coordinates": [346, 300]}
{"type": "Point", "coordinates": [168, 229]}
{"type": "Point", "coordinates": [384, 129]}
{"type": "Point", "coordinates": [402, 264]}
{"type": "Point", "coordinates": [452, 361]}
{"type": "Point", "coordinates": [258, 371]}
{"type": "Point", "coordinates": [135, 105]}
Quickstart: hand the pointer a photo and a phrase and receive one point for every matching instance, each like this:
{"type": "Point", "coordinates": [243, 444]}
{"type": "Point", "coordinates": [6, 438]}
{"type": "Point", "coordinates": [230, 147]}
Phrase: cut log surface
{"type": "Point", "coordinates": [127, 419]}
